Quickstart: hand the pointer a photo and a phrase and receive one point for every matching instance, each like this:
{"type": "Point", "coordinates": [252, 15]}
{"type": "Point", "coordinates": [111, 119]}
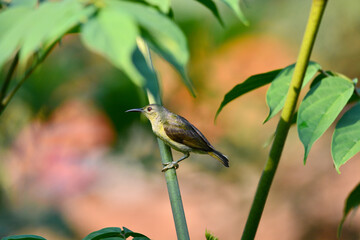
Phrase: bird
{"type": "Point", "coordinates": [179, 134]}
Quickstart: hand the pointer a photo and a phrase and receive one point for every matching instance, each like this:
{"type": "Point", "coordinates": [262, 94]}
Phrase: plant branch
{"type": "Point", "coordinates": [166, 157]}
{"type": "Point", "coordinates": [262, 191]}
{"type": "Point", "coordinates": [5, 100]}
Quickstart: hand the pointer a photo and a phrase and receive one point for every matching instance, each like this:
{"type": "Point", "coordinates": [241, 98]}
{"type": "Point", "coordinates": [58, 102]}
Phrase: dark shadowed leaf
{"type": "Point", "coordinates": [319, 77]}
{"type": "Point", "coordinates": [346, 138]}
{"type": "Point", "coordinates": [352, 202]}
{"type": "Point", "coordinates": [235, 6]}
{"type": "Point", "coordinates": [276, 95]}
{"type": "Point", "coordinates": [136, 236]}
{"type": "Point", "coordinates": [152, 83]}
{"type": "Point", "coordinates": [248, 85]}
{"type": "Point", "coordinates": [161, 34]}
{"type": "Point", "coordinates": [114, 233]}
{"type": "Point", "coordinates": [213, 8]}
{"type": "Point", "coordinates": [113, 33]}
{"type": "Point", "coordinates": [320, 107]}
{"type": "Point", "coordinates": [23, 237]}
{"type": "Point", "coordinates": [106, 233]}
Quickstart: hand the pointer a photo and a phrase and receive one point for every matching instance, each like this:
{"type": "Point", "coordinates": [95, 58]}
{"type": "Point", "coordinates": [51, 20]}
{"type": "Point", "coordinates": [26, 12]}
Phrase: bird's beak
{"type": "Point", "coordinates": [135, 110]}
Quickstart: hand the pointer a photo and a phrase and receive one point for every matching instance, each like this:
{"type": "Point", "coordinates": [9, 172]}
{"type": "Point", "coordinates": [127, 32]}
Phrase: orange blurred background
{"type": "Point", "coordinates": [73, 162]}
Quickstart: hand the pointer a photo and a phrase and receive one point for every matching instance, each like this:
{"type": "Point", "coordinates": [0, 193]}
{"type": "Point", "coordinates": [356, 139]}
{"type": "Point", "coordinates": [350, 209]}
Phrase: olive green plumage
{"type": "Point", "coordinates": [178, 133]}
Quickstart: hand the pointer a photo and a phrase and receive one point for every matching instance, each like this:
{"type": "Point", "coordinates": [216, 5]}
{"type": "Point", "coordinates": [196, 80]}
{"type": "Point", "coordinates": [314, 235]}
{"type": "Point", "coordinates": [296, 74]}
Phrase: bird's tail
{"type": "Point", "coordinates": [220, 157]}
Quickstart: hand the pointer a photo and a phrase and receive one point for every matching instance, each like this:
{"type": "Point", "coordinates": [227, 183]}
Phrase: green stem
{"type": "Point", "coordinates": [262, 191]}
{"type": "Point", "coordinates": [5, 100]}
{"type": "Point", "coordinates": [166, 157]}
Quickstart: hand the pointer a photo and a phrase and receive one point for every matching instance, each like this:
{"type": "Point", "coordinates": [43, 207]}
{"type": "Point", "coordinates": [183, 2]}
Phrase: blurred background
{"type": "Point", "coordinates": [73, 162]}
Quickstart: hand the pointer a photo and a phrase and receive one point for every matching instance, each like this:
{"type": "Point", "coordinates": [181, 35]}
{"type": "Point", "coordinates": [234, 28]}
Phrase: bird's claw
{"type": "Point", "coordinates": [170, 165]}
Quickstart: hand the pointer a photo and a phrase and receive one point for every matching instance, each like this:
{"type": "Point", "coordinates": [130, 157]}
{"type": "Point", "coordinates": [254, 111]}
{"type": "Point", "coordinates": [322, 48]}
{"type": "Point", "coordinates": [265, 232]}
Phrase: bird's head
{"type": "Point", "coordinates": [152, 111]}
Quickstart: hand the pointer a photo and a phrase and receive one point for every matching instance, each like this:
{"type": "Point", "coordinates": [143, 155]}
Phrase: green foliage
{"type": "Point", "coordinates": [11, 31]}
{"type": "Point", "coordinates": [28, 3]}
{"type": "Point", "coordinates": [161, 34]}
{"type": "Point", "coordinates": [328, 95]}
{"type": "Point", "coordinates": [114, 233]}
{"type": "Point", "coordinates": [346, 138]}
{"type": "Point", "coordinates": [276, 95]}
{"type": "Point", "coordinates": [112, 32]}
{"type": "Point", "coordinates": [60, 18]}
{"type": "Point", "coordinates": [209, 236]}
{"type": "Point", "coordinates": [212, 7]}
{"type": "Point", "coordinates": [24, 27]}
{"type": "Point", "coordinates": [248, 85]}
{"type": "Point", "coordinates": [111, 28]}
{"type": "Point", "coordinates": [163, 5]}
{"type": "Point", "coordinates": [320, 107]}
{"type": "Point", "coordinates": [23, 237]}
{"type": "Point", "coordinates": [110, 233]}
{"type": "Point", "coordinates": [352, 202]}
{"type": "Point", "coordinates": [235, 6]}
{"type": "Point", "coordinates": [280, 81]}
{"type": "Point", "coordinates": [116, 44]}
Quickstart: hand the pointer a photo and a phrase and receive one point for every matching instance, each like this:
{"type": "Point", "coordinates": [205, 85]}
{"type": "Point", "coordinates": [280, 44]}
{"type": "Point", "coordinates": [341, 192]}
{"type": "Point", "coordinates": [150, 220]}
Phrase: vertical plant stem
{"type": "Point", "coordinates": [262, 191]}
{"type": "Point", "coordinates": [166, 157]}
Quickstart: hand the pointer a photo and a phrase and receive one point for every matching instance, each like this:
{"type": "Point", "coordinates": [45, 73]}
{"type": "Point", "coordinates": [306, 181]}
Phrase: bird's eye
{"type": "Point", "coordinates": [149, 109]}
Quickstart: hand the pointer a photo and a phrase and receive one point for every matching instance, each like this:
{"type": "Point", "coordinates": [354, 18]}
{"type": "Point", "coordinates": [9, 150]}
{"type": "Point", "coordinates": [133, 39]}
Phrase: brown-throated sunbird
{"type": "Point", "coordinates": [178, 133]}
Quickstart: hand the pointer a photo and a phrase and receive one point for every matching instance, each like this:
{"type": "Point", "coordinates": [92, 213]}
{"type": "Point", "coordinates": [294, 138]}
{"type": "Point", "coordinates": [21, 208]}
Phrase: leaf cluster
{"type": "Point", "coordinates": [329, 93]}
{"type": "Point", "coordinates": [111, 28]}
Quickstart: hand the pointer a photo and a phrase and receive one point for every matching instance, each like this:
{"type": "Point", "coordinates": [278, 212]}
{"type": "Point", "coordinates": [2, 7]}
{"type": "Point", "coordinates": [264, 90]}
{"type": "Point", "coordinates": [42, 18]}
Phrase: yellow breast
{"type": "Point", "coordinates": [158, 129]}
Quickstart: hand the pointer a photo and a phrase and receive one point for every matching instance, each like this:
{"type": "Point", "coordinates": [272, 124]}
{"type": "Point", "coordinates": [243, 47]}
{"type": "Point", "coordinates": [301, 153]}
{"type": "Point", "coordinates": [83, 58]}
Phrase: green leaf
{"type": "Point", "coordinates": [113, 233]}
{"type": "Point", "coordinates": [11, 29]}
{"type": "Point", "coordinates": [26, 28]}
{"type": "Point", "coordinates": [276, 95]}
{"type": "Point", "coordinates": [248, 85]}
{"type": "Point", "coordinates": [60, 18]}
{"type": "Point", "coordinates": [209, 236]}
{"type": "Point", "coordinates": [26, 3]}
{"type": "Point", "coordinates": [320, 107]}
{"type": "Point", "coordinates": [112, 33]}
{"type": "Point", "coordinates": [352, 202]}
{"type": "Point", "coordinates": [346, 139]}
{"type": "Point", "coordinates": [136, 236]}
{"type": "Point", "coordinates": [212, 7]}
{"type": "Point", "coordinates": [23, 237]}
{"type": "Point", "coordinates": [235, 6]}
{"type": "Point", "coordinates": [320, 77]}
{"type": "Point", "coordinates": [142, 66]}
{"type": "Point", "coordinates": [106, 233]}
{"type": "Point", "coordinates": [163, 5]}
{"type": "Point", "coordinates": [161, 34]}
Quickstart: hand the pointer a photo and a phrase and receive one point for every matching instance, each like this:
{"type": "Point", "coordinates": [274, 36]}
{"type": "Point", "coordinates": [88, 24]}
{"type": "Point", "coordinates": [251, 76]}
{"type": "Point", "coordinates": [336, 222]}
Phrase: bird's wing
{"type": "Point", "coordinates": [187, 134]}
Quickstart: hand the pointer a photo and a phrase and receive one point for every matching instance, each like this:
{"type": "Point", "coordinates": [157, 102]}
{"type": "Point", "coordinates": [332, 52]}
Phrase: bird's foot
{"type": "Point", "coordinates": [170, 165]}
